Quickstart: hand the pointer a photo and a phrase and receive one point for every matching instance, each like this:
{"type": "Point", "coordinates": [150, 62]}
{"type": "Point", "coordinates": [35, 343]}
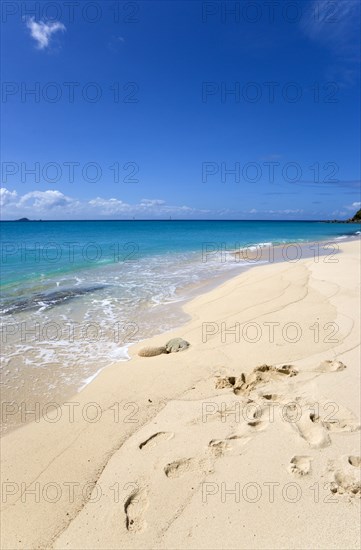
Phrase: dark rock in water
{"type": "Point", "coordinates": [50, 299]}
{"type": "Point", "coordinates": [23, 220]}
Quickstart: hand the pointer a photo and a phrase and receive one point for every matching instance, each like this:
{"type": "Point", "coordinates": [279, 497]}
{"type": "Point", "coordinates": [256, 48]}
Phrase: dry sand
{"type": "Point", "coordinates": [201, 449]}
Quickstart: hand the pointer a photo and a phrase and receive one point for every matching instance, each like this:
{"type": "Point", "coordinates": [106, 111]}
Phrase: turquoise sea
{"type": "Point", "coordinates": [76, 294]}
{"type": "Point", "coordinates": [36, 250]}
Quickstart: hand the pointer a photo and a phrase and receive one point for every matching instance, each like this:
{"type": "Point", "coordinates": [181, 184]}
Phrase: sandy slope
{"type": "Point", "coordinates": [200, 449]}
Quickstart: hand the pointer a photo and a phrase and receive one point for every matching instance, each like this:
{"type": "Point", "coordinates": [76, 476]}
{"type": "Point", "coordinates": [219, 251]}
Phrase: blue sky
{"type": "Point", "coordinates": [217, 110]}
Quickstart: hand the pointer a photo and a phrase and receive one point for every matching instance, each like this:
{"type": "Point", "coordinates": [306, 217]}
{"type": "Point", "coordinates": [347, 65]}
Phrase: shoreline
{"type": "Point", "coordinates": [210, 284]}
{"type": "Point", "coordinates": [140, 425]}
{"type": "Point", "coordinates": [192, 291]}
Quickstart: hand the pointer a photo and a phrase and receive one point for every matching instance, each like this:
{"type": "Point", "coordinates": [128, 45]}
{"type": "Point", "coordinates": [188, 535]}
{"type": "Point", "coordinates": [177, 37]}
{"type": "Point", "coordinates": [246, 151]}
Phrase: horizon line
{"type": "Point", "coordinates": [176, 220]}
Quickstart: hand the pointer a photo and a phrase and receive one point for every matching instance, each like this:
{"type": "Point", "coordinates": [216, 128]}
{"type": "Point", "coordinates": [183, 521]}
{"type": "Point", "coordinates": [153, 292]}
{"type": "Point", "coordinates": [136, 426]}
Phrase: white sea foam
{"type": "Point", "coordinates": [90, 379]}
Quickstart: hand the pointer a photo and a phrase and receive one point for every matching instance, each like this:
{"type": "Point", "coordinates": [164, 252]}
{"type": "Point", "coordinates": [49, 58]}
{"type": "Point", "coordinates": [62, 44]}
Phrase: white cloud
{"type": "Point", "coordinates": [152, 202]}
{"type": "Point", "coordinates": [286, 211]}
{"type": "Point", "coordinates": [330, 21]}
{"type": "Point", "coordinates": [42, 32]}
{"type": "Point", "coordinates": [108, 206]}
{"type": "Point", "coordinates": [354, 206]}
{"type": "Point", "coordinates": [335, 26]}
{"type": "Point", "coordinates": [44, 200]}
{"type": "Point", "coordinates": [52, 204]}
{"type": "Point", "coordinates": [6, 196]}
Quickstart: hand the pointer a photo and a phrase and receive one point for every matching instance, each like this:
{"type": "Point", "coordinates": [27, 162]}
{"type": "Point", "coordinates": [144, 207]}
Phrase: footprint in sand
{"type": "Point", "coordinates": [341, 425]}
{"type": "Point", "coordinates": [156, 438]}
{"type": "Point", "coordinates": [225, 382]}
{"type": "Point", "coordinates": [336, 419]}
{"type": "Point", "coordinates": [245, 383]}
{"type": "Point", "coordinates": [345, 476]}
{"type": "Point", "coordinates": [134, 508]}
{"type": "Point", "coordinates": [272, 397]}
{"type": "Point", "coordinates": [219, 447]}
{"type": "Point", "coordinates": [345, 484]}
{"type": "Point", "coordinates": [355, 461]}
{"type": "Point", "coordinates": [257, 425]}
{"type": "Point", "coordinates": [181, 467]}
{"type": "Point", "coordinates": [300, 465]}
{"type": "Point", "coordinates": [312, 431]}
{"type": "Point", "coordinates": [331, 366]}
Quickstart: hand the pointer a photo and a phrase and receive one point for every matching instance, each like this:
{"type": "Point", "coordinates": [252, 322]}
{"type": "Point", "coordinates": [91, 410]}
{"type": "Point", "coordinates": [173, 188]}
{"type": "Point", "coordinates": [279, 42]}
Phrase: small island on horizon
{"type": "Point", "coordinates": [27, 220]}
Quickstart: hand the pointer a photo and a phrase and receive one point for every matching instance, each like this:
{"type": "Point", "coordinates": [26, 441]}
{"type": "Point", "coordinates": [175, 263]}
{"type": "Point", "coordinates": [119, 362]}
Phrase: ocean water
{"type": "Point", "coordinates": [75, 295]}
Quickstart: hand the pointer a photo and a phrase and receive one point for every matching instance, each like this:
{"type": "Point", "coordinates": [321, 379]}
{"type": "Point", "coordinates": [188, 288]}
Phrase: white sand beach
{"type": "Point", "coordinates": [203, 448]}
